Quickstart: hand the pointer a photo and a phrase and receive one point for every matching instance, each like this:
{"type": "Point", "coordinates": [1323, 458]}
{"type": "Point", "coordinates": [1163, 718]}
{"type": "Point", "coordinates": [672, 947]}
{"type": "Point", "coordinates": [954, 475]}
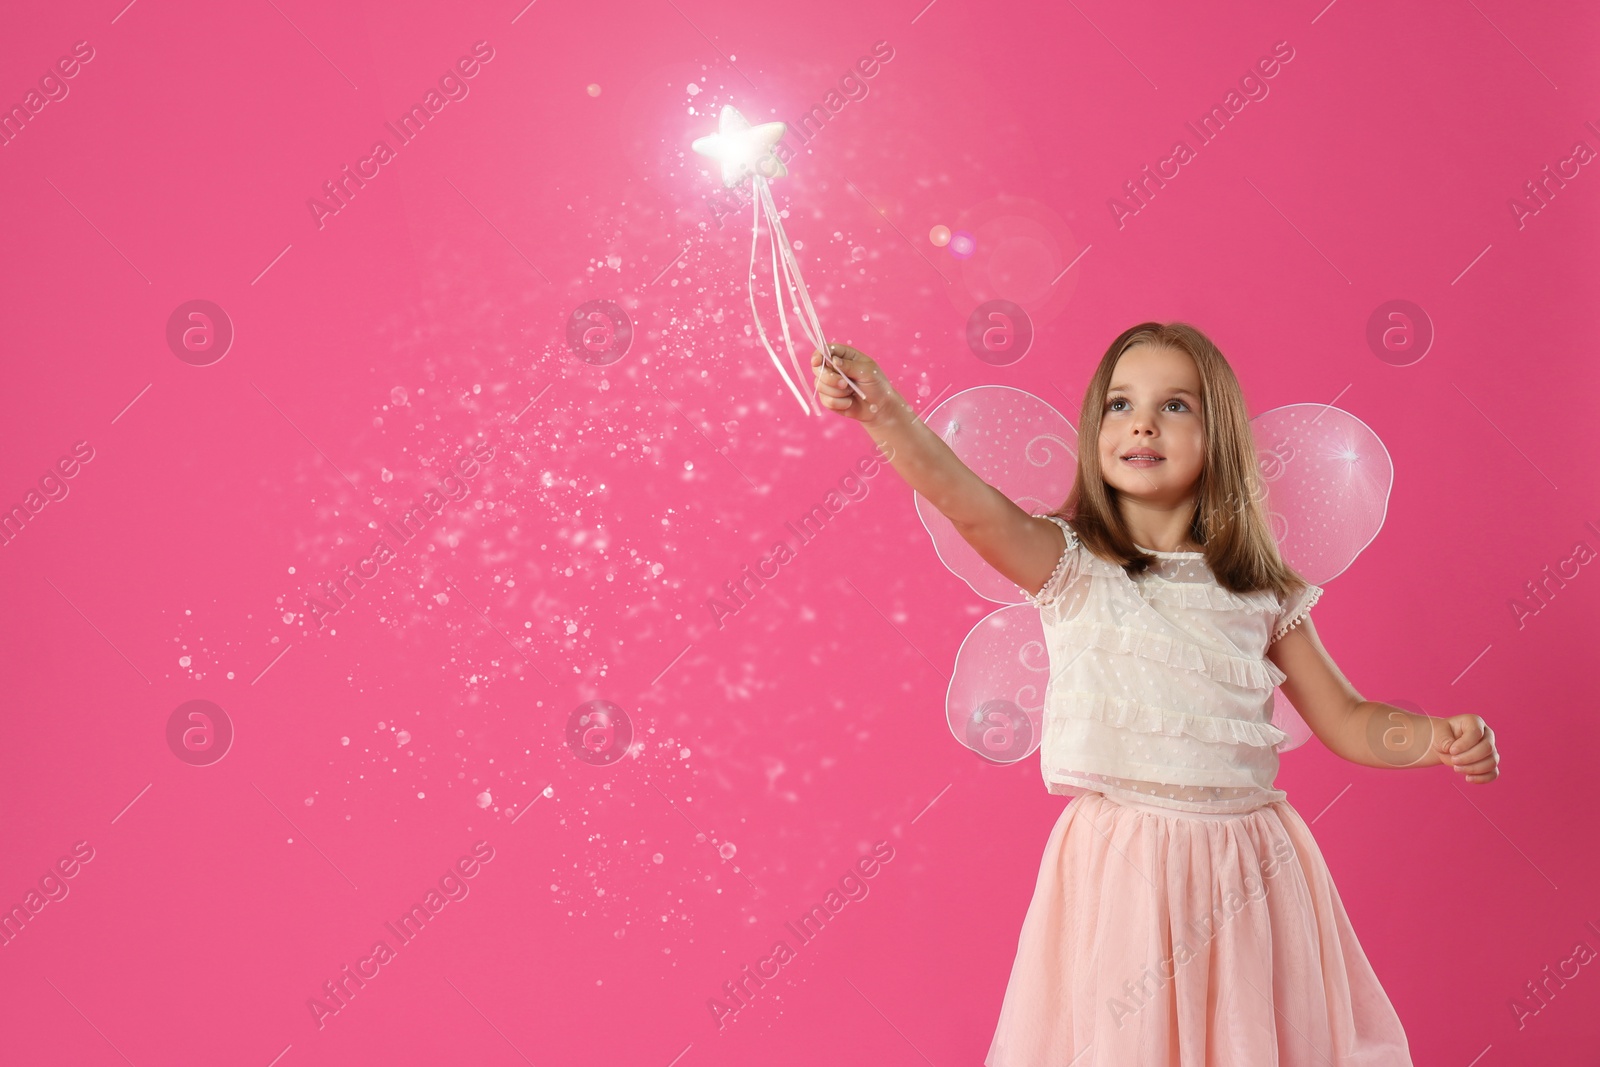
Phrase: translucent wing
{"type": "Point", "coordinates": [1025, 448]}
{"type": "Point", "coordinates": [1017, 443]}
{"type": "Point", "coordinates": [995, 704]}
{"type": "Point", "coordinates": [1326, 478]}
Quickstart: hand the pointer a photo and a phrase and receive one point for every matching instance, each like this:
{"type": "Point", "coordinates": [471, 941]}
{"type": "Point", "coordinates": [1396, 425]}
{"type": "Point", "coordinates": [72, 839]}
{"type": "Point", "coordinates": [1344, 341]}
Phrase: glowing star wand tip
{"type": "Point", "coordinates": [742, 149]}
{"type": "Point", "coordinates": [748, 153]}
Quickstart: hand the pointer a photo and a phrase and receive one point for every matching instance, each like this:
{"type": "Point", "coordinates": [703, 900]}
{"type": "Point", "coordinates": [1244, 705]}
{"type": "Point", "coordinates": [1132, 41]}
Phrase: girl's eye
{"type": "Point", "coordinates": [1123, 400]}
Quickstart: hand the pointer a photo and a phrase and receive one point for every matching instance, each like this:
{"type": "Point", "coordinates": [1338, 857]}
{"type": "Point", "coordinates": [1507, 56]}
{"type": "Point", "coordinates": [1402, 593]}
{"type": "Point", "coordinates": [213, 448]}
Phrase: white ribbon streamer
{"type": "Point", "coordinates": [786, 278]}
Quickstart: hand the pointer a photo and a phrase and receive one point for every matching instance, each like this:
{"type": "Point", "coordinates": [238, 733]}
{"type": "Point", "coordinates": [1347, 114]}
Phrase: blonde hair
{"type": "Point", "coordinates": [1230, 520]}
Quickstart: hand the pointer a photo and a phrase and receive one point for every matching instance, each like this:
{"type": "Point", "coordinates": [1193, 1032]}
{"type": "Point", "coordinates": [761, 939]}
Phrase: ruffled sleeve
{"type": "Point", "coordinates": [1067, 567]}
{"type": "Point", "coordinates": [1295, 610]}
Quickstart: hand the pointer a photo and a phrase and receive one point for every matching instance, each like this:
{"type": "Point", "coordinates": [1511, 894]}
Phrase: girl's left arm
{"type": "Point", "coordinates": [1370, 733]}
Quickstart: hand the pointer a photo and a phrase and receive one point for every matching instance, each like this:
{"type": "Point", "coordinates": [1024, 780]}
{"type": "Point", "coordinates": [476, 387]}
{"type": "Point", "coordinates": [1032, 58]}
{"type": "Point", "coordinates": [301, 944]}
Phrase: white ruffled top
{"type": "Point", "coordinates": [1160, 690]}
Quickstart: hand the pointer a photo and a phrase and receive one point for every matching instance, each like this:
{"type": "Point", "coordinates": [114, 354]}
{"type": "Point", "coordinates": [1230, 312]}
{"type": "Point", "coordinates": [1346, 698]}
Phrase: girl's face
{"type": "Point", "coordinates": [1153, 406]}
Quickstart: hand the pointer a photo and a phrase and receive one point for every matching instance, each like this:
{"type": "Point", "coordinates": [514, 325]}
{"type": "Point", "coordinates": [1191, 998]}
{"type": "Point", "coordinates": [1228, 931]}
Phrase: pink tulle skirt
{"type": "Point", "coordinates": [1164, 939]}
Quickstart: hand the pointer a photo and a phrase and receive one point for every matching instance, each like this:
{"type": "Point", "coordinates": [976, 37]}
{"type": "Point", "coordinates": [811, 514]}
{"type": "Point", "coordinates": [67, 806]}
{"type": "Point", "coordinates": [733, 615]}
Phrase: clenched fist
{"type": "Point", "coordinates": [1470, 749]}
{"type": "Point", "coordinates": [872, 399]}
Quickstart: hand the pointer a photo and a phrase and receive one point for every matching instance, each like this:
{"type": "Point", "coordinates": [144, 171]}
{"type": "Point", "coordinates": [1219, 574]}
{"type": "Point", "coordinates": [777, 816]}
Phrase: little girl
{"type": "Point", "coordinates": [1183, 913]}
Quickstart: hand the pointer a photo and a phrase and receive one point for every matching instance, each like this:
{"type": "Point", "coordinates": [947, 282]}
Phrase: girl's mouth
{"type": "Point", "coordinates": [1143, 461]}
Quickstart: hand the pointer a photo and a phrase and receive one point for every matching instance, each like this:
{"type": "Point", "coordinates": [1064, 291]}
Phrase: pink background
{"type": "Point", "coordinates": [428, 316]}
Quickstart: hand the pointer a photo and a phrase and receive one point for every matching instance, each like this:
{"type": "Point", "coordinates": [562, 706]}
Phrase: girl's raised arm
{"type": "Point", "coordinates": [1023, 547]}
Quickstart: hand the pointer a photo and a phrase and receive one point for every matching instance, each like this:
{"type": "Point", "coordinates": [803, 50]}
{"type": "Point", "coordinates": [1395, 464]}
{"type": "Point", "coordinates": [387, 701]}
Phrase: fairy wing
{"type": "Point", "coordinates": [1324, 474]}
{"type": "Point", "coordinates": [1017, 443]}
{"type": "Point", "coordinates": [1327, 477]}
